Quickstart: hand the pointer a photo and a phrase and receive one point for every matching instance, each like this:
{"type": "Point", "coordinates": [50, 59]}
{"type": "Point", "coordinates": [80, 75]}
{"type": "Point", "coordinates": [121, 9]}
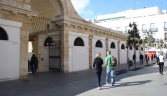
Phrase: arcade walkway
{"type": "Point", "coordinates": [144, 82]}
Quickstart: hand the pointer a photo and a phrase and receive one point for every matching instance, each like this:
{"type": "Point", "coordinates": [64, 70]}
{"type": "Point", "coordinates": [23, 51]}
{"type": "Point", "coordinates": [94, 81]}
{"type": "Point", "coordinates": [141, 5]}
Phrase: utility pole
{"type": "Point", "coordinates": [136, 4]}
{"type": "Point", "coordinates": [161, 4]}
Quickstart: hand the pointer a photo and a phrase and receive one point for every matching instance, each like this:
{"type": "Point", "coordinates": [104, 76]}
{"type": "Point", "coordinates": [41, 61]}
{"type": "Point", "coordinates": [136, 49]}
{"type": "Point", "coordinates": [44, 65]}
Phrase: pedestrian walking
{"type": "Point", "coordinates": [146, 58]}
{"type": "Point", "coordinates": [161, 63]}
{"type": "Point", "coordinates": [141, 59]}
{"type": "Point", "coordinates": [98, 62]}
{"type": "Point", "coordinates": [134, 58]}
{"type": "Point", "coordinates": [155, 57]}
{"type": "Point", "coordinates": [34, 62]}
{"type": "Point", "coordinates": [109, 69]}
{"type": "Point", "coordinates": [152, 57]}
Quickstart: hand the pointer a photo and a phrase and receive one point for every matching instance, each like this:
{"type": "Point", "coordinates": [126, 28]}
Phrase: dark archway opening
{"type": "Point", "coordinates": [78, 42]}
{"type": "Point", "coordinates": [99, 44]}
{"type": "Point", "coordinates": [122, 46]}
{"type": "Point", "coordinates": [3, 34]}
{"type": "Point", "coordinates": [48, 41]}
{"type": "Point", "coordinates": [112, 45]}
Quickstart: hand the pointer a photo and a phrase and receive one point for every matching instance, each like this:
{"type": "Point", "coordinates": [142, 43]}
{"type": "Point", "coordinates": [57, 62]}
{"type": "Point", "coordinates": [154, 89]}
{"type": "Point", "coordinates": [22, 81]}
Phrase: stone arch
{"type": "Point", "coordinates": [78, 42]}
{"type": "Point", "coordinates": [112, 45]}
{"type": "Point", "coordinates": [122, 46]}
{"type": "Point", "coordinates": [3, 34]}
{"type": "Point", "coordinates": [55, 8]}
{"type": "Point", "coordinates": [48, 41]}
{"type": "Point", "coordinates": [52, 7]}
{"type": "Point", "coordinates": [99, 44]}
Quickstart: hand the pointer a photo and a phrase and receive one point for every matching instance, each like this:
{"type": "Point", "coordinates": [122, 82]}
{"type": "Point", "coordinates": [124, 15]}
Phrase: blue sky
{"type": "Point", "coordinates": [89, 9]}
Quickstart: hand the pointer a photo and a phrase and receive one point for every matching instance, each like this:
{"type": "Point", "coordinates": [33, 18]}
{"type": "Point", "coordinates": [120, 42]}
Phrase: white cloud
{"type": "Point", "coordinates": [88, 12]}
{"type": "Point", "coordinates": [80, 5]}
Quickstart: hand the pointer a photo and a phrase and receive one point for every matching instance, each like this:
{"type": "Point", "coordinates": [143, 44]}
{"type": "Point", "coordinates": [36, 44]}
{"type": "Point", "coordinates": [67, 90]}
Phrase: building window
{"type": "Point", "coordinates": [165, 25]}
{"type": "Point", "coordinates": [99, 44]}
{"type": "Point", "coordinates": [48, 41]}
{"type": "Point", "coordinates": [152, 25]}
{"type": "Point", "coordinates": [122, 46]}
{"type": "Point", "coordinates": [153, 28]}
{"type": "Point", "coordinates": [78, 42]}
{"type": "Point", "coordinates": [126, 29]}
{"type": "Point", "coordinates": [3, 34]}
{"type": "Point", "coordinates": [112, 45]}
{"type": "Point", "coordinates": [143, 26]}
{"type": "Point", "coordinates": [165, 37]}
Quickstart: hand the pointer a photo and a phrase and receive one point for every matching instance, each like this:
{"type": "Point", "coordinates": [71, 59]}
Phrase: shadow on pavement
{"type": "Point", "coordinates": [66, 84]}
{"type": "Point", "coordinates": [124, 84]}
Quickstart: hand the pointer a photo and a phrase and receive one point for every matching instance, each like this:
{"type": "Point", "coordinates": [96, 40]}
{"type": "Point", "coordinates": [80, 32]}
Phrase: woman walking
{"type": "Point", "coordinates": [161, 63]}
{"type": "Point", "coordinates": [98, 62]}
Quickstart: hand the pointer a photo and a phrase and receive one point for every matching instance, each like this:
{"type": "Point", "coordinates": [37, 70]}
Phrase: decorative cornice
{"type": "Point", "coordinates": [17, 10]}
{"type": "Point", "coordinates": [95, 30]}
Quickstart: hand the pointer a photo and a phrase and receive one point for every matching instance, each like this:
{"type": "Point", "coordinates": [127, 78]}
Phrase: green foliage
{"type": "Point", "coordinates": [134, 37]}
{"type": "Point", "coordinates": [160, 44]}
{"type": "Point", "coordinates": [149, 40]}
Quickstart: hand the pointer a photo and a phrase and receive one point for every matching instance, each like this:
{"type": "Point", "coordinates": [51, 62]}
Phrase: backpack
{"type": "Point", "coordinates": [113, 61]}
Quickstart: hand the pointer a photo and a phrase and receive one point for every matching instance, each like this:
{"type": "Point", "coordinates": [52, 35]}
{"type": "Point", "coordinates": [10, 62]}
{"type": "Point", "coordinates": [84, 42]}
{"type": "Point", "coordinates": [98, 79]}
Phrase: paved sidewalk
{"type": "Point", "coordinates": [144, 82]}
{"type": "Point", "coordinates": [125, 66]}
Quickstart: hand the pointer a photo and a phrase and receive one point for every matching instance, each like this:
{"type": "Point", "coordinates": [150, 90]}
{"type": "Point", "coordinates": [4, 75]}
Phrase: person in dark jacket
{"type": "Point", "coordinates": [146, 58]}
{"type": "Point", "coordinates": [34, 63]}
{"type": "Point", "coordinates": [98, 62]}
{"type": "Point", "coordinates": [152, 57]}
{"type": "Point", "coordinates": [155, 57]}
{"type": "Point", "coordinates": [134, 58]}
{"type": "Point", "coordinates": [141, 59]}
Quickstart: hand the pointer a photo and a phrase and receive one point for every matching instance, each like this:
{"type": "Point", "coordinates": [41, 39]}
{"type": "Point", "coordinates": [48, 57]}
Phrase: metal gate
{"type": "Point", "coordinates": [46, 26]}
{"type": "Point", "coordinates": [55, 53]}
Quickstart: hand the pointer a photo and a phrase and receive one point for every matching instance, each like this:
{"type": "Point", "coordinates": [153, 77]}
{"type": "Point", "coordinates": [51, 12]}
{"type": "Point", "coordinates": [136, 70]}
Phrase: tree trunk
{"type": "Point", "coordinates": [135, 54]}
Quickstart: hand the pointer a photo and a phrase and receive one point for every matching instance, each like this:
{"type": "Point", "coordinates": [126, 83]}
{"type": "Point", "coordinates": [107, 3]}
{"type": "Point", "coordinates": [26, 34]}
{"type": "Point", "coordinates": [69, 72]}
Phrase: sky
{"type": "Point", "coordinates": [89, 9]}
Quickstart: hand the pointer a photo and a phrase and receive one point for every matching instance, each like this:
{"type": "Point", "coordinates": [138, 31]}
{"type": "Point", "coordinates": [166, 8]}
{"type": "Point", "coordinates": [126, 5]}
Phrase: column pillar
{"type": "Point", "coordinates": [24, 51]}
{"type": "Point", "coordinates": [118, 52]}
{"type": "Point", "coordinates": [106, 45]}
{"type": "Point", "coordinates": [64, 49]}
{"type": "Point", "coordinates": [90, 51]}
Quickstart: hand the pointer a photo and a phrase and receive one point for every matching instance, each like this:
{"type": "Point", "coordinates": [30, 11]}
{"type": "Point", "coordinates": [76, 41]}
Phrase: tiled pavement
{"type": "Point", "coordinates": [144, 82]}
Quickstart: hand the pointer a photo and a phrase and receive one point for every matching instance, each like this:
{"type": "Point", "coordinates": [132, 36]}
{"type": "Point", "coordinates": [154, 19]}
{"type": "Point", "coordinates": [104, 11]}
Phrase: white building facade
{"type": "Point", "coordinates": [148, 19]}
{"type": "Point", "coordinates": [9, 49]}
